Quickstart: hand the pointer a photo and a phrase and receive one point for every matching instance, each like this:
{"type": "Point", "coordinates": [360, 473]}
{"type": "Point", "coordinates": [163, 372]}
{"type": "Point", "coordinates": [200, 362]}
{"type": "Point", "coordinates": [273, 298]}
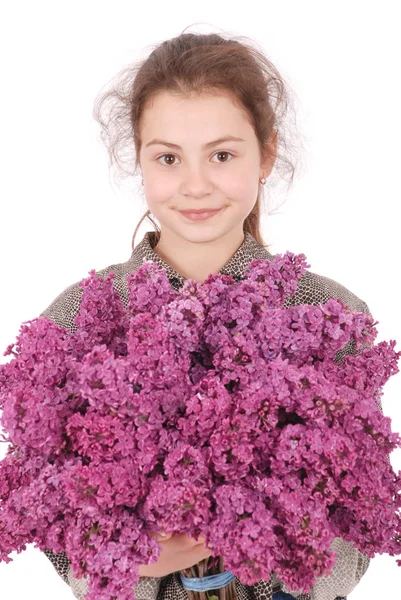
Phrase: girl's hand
{"type": "Point", "coordinates": [179, 551]}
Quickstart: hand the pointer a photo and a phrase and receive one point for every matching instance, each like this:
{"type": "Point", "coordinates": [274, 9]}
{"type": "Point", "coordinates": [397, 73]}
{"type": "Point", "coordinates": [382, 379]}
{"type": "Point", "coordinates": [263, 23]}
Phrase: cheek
{"type": "Point", "coordinates": [244, 183]}
{"type": "Point", "coordinates": [245, 193]}
{"type": "Point", "coordinates": [158, 194]}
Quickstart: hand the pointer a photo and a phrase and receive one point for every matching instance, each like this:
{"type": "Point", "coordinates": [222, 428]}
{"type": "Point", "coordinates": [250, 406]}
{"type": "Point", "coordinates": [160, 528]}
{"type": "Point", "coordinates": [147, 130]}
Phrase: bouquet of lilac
{"type": "Point", "coordinates": [211, 410]}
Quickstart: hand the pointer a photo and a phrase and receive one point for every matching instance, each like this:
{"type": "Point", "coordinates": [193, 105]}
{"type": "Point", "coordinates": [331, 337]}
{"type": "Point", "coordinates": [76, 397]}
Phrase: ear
{"type": "Point", "coordinates": [269, 155]}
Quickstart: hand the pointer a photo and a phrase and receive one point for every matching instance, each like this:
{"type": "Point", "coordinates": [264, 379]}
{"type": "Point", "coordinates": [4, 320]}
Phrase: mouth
{"type": "Point", "coordinates": [199, 215]}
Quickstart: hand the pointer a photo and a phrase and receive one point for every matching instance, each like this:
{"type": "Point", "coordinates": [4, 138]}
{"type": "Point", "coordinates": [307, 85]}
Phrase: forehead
{"type": "Point", "coordinates": [167, 111]}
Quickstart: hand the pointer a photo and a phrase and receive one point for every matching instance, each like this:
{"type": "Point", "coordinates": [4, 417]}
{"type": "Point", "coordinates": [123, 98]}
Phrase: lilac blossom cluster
{"type": "Point", "coordinates": [212, 410]}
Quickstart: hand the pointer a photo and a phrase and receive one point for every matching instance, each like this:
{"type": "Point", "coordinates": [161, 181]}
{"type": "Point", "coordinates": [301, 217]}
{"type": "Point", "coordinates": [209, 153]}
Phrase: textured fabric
{"type": "Point", "coordinates": [146, 588]}
{"type": "Point", "coordinates": [313, 289]}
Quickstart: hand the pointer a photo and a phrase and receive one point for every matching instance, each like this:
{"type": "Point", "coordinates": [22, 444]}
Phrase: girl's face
{"type": "Point", "coordinates": [183, 166]}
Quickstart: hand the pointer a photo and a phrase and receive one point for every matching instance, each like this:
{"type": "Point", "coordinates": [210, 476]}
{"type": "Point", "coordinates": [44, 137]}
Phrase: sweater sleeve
{"type": "Point", "coordinates": [63, 311]}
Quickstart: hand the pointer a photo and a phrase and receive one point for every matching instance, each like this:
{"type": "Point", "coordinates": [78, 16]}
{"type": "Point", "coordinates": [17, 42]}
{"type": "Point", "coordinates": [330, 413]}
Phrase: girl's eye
{"type": "Point", "coordinates": [170, 163]}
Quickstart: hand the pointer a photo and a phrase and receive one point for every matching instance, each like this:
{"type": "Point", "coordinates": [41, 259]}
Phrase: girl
{"type": "Point", "coordinates": [203, 116]}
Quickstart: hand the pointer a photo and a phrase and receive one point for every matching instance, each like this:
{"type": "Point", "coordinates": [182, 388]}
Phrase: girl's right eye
{"type": "Point", "coordinates": [164, 155]}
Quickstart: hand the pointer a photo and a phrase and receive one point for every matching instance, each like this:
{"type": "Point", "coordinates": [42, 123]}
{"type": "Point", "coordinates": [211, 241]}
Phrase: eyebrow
{"type": "Point", "coordinates": [227, 138]}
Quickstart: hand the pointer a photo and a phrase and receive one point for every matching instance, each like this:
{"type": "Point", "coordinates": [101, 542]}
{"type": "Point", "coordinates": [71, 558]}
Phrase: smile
{"type": "Point", "coordinates": [202, 216]}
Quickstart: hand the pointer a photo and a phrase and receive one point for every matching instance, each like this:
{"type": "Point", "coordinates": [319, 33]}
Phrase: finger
{"type": "Point", "coordinates": [163, 536]}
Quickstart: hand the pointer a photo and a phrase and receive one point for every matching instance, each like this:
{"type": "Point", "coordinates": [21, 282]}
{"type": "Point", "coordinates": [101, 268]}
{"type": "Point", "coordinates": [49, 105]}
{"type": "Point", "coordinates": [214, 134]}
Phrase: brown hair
{"type": "Point", "coordinates": [190, 64]}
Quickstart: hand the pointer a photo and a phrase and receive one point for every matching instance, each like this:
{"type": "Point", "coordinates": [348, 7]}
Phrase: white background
{"type": "Point", "coordinates": [61, 217]}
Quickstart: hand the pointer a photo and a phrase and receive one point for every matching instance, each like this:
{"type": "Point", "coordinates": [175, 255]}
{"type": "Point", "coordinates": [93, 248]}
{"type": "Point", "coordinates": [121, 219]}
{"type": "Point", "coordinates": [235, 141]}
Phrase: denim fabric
{"type": "Point", "coordinates": [282, 596]}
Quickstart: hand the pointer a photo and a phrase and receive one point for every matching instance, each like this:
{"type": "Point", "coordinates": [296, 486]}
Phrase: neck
{"type": "Point", "coordinates": [197, 260]}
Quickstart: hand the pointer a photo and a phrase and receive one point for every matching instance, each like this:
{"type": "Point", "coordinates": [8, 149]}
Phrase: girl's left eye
{"type": "Point", "coordinates": [219, 152]}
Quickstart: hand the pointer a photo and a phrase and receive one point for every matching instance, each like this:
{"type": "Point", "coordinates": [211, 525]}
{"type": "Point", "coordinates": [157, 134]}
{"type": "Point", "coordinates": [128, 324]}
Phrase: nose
{"type": "Point", "coordinates": [196, 183]}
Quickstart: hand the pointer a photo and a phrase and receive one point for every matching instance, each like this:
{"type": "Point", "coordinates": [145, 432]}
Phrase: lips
{"type": "Point", "coordinates": [200, 215]}
{"type": "Point", "coordinates": [199, 210]}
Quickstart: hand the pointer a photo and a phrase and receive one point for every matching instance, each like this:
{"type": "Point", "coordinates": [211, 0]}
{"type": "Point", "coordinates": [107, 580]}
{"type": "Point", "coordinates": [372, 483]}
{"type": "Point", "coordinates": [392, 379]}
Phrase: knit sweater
{"type": "Point", "coordinates": [314, 289]}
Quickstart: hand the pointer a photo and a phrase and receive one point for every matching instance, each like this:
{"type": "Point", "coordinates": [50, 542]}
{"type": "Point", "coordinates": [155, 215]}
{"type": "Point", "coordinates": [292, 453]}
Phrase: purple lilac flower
{"type": "Point", "coordinates": [214, 410]}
